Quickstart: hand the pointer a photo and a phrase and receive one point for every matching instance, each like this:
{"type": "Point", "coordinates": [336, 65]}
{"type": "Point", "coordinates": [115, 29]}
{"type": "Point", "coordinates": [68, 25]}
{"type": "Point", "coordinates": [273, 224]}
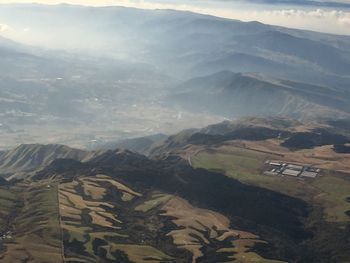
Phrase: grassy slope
{"type": "Point", "coordinates": [330, 190]}
{"type": "Point", "coordinates": [7, 200]}
{"type": "Point", "coordinates": [35, 224]}
{"type": "Point", "coordinates": [327, 194]}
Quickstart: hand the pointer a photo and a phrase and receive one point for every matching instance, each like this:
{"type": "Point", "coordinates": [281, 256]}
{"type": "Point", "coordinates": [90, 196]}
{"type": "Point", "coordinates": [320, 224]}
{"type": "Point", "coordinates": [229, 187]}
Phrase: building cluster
{"type": "Point", "coordinates": [280, 168]}
{"type": "Point", "coordinates": [6, 236]}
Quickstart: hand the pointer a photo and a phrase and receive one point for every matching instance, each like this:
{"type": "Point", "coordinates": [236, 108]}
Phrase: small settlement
{"type": "Point", "coordinates": [281, 168]}
{"type": "Point", "coordinates": [6, 236]}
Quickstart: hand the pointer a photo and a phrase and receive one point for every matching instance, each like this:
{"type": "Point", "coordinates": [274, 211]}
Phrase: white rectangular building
{"type": "Point", "coordinates": [309, 174]}
{"type": "Point", "coordinates": [295, 167]}
{"type": "Point", "coordinates": [291, 172]}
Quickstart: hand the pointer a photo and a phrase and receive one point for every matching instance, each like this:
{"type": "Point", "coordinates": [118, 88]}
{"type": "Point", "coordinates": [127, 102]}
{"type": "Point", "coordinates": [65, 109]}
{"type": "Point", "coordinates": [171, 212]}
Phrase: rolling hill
{"type": "Point", "coordinates": [27, 158]}
{"type": "Point", "coordinates": [120, 205]}
{"type": "Point", "coordinates": [134, 200]}
{"type": "Point", "coordinates": [287, 132]}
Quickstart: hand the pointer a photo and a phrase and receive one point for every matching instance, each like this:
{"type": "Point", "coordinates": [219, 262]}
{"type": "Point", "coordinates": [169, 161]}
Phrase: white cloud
{"type": "Point", "coordinates": [4, 28]}
{"type": "Point", "coordinates": [331, 21]}
{"type": "Point", "coordinates": [324, 20]}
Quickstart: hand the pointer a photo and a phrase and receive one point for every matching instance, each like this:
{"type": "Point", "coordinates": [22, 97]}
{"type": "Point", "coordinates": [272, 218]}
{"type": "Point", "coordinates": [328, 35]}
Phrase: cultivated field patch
{"type": "Point", "coordinates": [197, 228]}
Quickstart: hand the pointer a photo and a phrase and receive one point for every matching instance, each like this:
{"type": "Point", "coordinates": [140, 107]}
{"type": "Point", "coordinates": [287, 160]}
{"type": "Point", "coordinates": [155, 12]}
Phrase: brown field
{"type": "Point", "coordinates": [242, 254]}
{"type": "Point", "coordinates": [103, 219]}
{"type": "Point", "coordinates": [127, 193]}
{"type": "Point", "coordinates": [155, 201]}
{"type": "Point", "coordinates": [141, 254]}
{"type": "Point", "coordinates": [79, 203]}
{"type": "Point", "coordinates": [93, 190]}
{"type": "Point", "coordinates": [88, 194]}
{"type": "Point", "coordinates": [72, 204]}
{"type": "Point", "coordinates": [192, 222]}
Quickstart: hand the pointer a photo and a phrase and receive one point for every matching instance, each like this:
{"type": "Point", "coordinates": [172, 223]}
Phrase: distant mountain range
{"type": "Point", "coordinates": [192, 44]}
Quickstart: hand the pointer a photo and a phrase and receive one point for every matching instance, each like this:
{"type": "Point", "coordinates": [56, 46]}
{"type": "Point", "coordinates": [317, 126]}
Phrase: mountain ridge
{"type": "Point", "coordinates": [249, 94]}
{"type": "Point", "coordinates": [27, 158]}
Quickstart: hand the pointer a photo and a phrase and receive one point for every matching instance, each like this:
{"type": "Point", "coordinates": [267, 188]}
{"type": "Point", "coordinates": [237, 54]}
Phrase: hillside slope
{"type": "Point", "coordinates": [29, 157]}
{"type": "Point", "coordinates": [286, 132]}
{"type": "Point", "coordinates": [236, 95]}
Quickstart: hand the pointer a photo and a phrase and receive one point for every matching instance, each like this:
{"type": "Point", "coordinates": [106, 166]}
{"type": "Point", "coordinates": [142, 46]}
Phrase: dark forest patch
{"type": "Point", "coordinates": [318, 137]}
{"type": "Point", "coordinates": [341, 148]}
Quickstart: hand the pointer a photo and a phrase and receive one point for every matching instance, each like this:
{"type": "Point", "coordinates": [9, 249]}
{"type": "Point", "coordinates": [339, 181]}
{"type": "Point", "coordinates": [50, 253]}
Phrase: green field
{"type": "Point", "coordinates": [329, 191]}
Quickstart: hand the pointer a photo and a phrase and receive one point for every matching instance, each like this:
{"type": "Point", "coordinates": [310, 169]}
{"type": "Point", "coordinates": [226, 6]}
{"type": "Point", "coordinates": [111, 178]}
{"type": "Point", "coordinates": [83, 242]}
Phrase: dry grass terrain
{"type": "Point", "coordinates": [199, 227]}
{"type": "Point", "coordinates": [323, 156]}
{"type": "Point", "coordinates": [88, 216]}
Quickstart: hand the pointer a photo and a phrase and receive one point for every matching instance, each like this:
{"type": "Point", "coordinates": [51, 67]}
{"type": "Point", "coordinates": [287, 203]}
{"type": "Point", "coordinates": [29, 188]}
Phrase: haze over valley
{"type": "Point", "coordinates": [114, 80]}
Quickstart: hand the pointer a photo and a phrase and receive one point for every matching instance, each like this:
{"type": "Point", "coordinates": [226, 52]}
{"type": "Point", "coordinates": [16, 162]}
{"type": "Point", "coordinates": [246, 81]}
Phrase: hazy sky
{"type": "Point", "coordinates": [305, 16]}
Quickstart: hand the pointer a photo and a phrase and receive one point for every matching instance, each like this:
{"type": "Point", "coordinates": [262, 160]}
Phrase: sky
{"type": "Point", "coordinates": [329, 17]}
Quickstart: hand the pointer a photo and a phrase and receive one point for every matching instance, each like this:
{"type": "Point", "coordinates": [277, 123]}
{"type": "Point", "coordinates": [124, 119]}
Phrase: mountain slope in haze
{"type": "Point", "coordinates": [69, 92]}
{"type": "Point", "coordinates": [192, 44]}
{"type": "Point", "coordinates": [30, 157]}
{"type": "Point", "coordinates": [287, 132]}
{"type": "Point", "coordinates": [236, 95]}
{"type": "Point", "coordinates": [140, 144]}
